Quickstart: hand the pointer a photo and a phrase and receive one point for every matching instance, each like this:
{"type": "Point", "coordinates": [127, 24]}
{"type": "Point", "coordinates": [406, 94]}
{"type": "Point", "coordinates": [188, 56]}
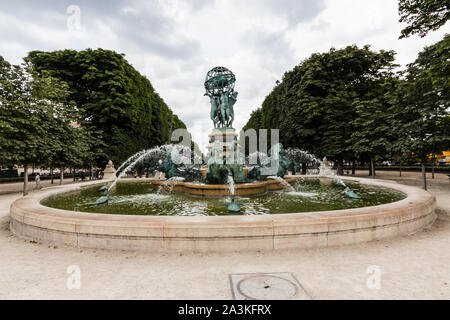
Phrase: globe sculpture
{"type": "Point", "coordinates": [219, 85]}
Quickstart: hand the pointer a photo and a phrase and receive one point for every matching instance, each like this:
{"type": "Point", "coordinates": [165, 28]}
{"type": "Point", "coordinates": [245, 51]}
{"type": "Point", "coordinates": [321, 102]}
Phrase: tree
{"type": "Point", "coordinates": [255, 121]}
{"type": "Point", "coordinates": [112, 97]}
{"type": "Point", "coordinates": [423, 16]}
{"type": "Point", "coordinates": [32, 106]}
{"type": "Point", "coordinates": [314, 105]}
{"type": "Point", "coordinates": [373, 136]}
{"type": "Point", "coordinates": [425, 100]}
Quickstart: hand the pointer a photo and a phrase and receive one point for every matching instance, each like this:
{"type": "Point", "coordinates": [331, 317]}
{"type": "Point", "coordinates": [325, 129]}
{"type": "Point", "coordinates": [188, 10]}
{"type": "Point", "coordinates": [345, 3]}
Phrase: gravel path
{"type": "Point", "coordinates": [416, 266]}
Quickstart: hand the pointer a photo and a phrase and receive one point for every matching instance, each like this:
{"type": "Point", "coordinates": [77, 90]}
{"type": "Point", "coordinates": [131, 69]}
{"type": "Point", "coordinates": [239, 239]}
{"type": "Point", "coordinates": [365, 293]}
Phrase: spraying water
{"type": "Point", "coordinates": [232, 206]}
{"type": "Point", "coordinates": [134, 159]}
{"type": "Point", "coordinates": [169, 184]}
{"type": "Point", "coordinates": [230, 182]}
{"type": "Point", "coordinates": [301, 156]}
{"type": "Point", "coordinates": [285, 184]}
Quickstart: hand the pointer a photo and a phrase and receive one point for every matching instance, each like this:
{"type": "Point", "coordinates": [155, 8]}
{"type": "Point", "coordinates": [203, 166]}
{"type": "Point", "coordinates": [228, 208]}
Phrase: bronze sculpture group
{"type": "Point", "coordinates": [219, 85]}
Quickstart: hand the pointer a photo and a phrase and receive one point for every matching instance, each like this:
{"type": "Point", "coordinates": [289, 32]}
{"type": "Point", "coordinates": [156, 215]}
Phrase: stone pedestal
{"type": "Point", "coordinates": [226, 137]}
{"type": "Point", "coordinates": [109, 170]}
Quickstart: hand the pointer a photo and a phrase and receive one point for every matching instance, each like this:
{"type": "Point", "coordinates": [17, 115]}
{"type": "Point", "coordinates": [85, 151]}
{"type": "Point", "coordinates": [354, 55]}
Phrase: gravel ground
{"type": "Point", "coordinates": [412, 267]}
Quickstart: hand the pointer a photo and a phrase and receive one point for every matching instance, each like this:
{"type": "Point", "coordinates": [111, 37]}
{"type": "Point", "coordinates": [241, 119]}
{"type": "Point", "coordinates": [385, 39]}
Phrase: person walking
{"type": "Point", "coordinates": [37, 178]}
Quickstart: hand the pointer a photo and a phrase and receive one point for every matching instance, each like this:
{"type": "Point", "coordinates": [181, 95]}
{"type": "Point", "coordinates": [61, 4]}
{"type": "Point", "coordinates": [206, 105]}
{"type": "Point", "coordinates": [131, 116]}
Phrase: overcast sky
{"type": "Point", "coordinates": [174, 43]}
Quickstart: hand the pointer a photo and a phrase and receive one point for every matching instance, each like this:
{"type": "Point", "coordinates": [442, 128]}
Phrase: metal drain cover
{"type": "Point", "coordinates": [267, 286]}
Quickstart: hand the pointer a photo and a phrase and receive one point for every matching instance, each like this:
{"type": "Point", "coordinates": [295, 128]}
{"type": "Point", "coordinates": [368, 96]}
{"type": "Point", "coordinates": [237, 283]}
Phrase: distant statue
{"type": "Point", "coordinates": [219, 85]}
{"type": "Point", "coordinates": [109, 171]}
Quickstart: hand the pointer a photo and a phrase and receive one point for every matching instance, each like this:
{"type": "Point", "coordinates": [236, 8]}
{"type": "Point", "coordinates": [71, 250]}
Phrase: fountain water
{"type": "Point", "coordinates": [283, 182]}
{"type": "Point", "coordinates": [169, 184]}
{"type": "Point", "coordinates": [134, 159]}
{"type": "Point", "coordinates": [231, 185]}
{"type": "Point", "coordinates": [301, 156]}
{"type": "Point", "coordinates": [171, 159]}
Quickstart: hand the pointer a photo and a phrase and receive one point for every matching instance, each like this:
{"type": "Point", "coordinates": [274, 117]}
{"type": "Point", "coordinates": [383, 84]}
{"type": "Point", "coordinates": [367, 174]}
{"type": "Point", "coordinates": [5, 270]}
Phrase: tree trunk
{"type": "Point", "coordinates": [424, 176]}
{"type": "Point", "coordinates": [432, 167]}
{"type": "Point", "coordinates": [372, 168]}
{"type": "Point", "coordinates": [51, 175]}
{"type": "Point", "coordinates": [61, 176]}
{"type": "Point", "coordinates": [340, 168]}
{"type": "Point", "coordinates": [73, 174]}
{"type": "Point", "coordinates": [25, 180]}
{"type": "Point", "coordinates": [303, 167]}
{"type": "Point", "coordinates": [400, 172]}
{"type": "Point", "coordinates": [353, 167]}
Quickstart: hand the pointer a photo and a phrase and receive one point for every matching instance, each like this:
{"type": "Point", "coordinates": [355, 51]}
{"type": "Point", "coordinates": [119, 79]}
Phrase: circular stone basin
{"type": "Point", "coordinates": [258, 230]}
{"type": "Point", "coordinates": [146, 198]}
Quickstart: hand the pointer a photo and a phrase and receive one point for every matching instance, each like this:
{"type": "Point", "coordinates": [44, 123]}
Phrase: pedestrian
{"type": "Point", "coordinates": [37, 178]}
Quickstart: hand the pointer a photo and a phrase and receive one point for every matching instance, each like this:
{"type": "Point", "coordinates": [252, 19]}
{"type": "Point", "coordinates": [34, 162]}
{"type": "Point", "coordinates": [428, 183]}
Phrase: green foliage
{"type": "Point", "coordinates": [424, 100]}
{"type": "Point", "coordinates": [348, 104]}
{"type": "Point", "coordinates": [314, 106]}
{"type": "Point", "coordinates": [255, 121]}
{"type": "Point", "coordinates": [423, 16]}
{"type": "Point", "coordinates": [36, 118]}
{"type": "Point", "coordinates": [112, 97]}
{"type": "Point", "coordinates": [373, 136]}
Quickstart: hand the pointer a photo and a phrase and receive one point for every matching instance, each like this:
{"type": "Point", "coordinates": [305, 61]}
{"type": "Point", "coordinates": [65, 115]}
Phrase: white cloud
{"type": "Point", "coordinates": [174, 43]}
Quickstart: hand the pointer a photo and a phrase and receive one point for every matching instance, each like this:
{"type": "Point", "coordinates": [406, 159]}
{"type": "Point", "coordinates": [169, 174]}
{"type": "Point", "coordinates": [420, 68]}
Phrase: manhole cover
{"type": "Point", "coordinates": [267, 286]}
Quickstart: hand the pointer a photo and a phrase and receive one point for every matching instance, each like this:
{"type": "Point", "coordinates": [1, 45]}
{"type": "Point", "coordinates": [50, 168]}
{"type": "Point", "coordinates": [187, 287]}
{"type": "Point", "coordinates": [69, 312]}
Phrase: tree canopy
{"type": "Point", "coordinates": [37, 122]}
{"type": "Point", "coordinates": [425, 101]}
{"type": "Point", "coordinates": [349, 104]}
{"type": "Point", "coordinates": [314, 106]}
{"type": "Point", "coordinates": [423, 16]}
{"type": "Point", "coordinates": [112, 97]}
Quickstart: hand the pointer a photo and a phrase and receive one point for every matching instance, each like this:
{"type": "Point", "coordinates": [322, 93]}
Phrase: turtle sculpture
{"type": "Point", "coordinates": [233, 206]}
{"type": "Point", "coordinates": [350, 194]}
{"type": "Point", "coordinates": [105, 198]}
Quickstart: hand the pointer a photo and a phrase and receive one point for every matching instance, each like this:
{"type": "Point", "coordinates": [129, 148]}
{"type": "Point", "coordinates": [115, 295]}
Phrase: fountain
{"type": "Point", "coordinates": [185, 210]}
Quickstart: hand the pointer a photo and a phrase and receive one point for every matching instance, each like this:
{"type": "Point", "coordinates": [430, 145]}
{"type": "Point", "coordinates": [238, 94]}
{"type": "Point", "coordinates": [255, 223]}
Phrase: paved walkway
{"type": "Point", "coordinates": [416, 266]}
{"type": "Point", "coordinates": [15, 187]}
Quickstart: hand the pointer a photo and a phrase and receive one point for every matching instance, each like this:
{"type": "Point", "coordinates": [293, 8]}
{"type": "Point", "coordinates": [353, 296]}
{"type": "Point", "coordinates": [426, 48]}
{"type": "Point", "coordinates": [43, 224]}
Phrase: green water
{"type": "Point", "coordinates": [142, 198]}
